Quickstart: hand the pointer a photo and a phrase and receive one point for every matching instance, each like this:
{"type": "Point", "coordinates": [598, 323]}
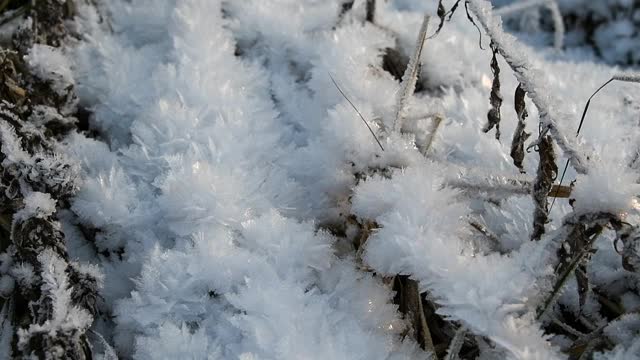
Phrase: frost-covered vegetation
{"type": "Point", "coordinates": [319, 179]}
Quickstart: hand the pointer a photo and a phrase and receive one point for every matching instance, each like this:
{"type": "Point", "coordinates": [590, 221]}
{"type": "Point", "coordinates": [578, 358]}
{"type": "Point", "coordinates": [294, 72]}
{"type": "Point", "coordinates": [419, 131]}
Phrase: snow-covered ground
{"type": "Point", "coordinates": [241, 209]}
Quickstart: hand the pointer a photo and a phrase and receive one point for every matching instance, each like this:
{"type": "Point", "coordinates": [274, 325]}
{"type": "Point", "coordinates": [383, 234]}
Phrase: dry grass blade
{"type": "Point", "coordinates": [420, 320]}
{"type": "Point", "coordinates": [410, 77]}
{"type": "Point", "coordinates": [410, 303]}
{"type": "Point", "coordinates": [357, 111]}
{"type": "Point", "coordinates": [566, 327]}
{"type": "Point", "coordinates": [547, 172]}
{"type": "Point", "coordinates": [519, 136]}
{"type": "Point", "coordinates": [562, 280]}
{"type": "Point", "coordinates": [493, 116]}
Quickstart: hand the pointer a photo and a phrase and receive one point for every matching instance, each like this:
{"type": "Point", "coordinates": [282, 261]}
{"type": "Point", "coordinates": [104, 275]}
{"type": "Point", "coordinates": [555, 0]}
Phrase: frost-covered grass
{"type": "Point", "coordinates": [231, 203]}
